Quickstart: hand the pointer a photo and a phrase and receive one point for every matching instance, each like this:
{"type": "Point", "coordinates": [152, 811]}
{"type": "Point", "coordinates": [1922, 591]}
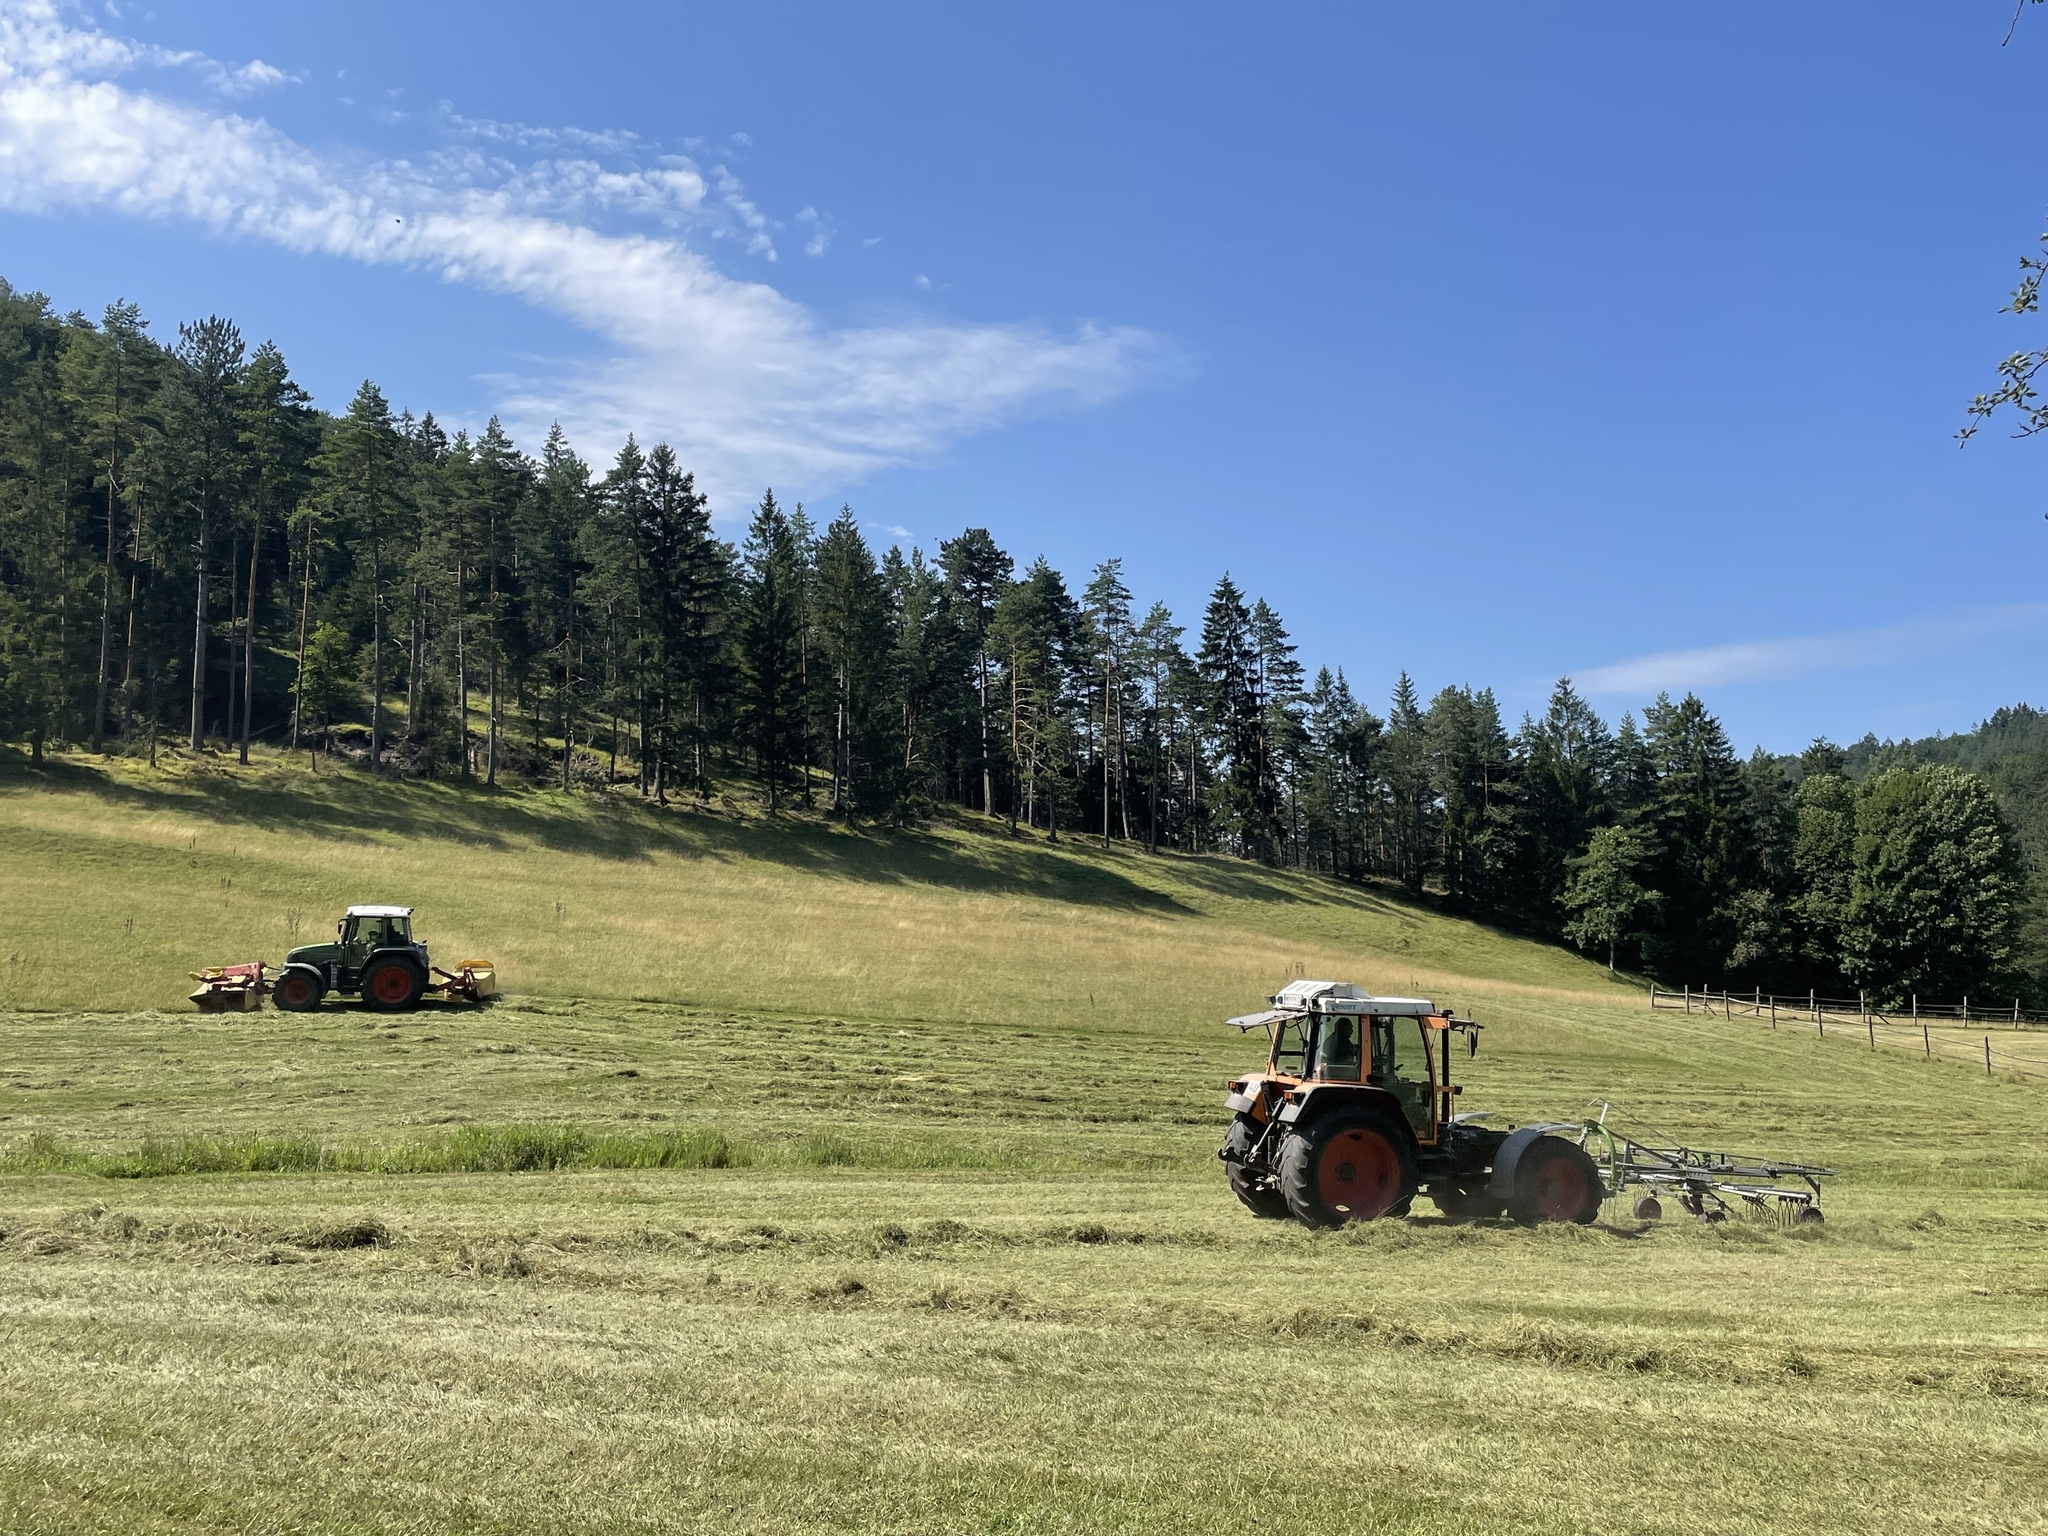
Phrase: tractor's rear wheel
{"type": "Point", "coordinates": [392, 985]}
{"type": "Point", "coordinates": [1555, 1181]}
{"type": "Point", "coordinates": [1350, 1165]}
{"type": "Point", "coordinates": [1258, 1197]}
{"type": "Point", "coordinates": [297, 991]}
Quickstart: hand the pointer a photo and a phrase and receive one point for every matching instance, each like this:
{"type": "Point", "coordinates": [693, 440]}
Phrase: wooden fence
{"type": "Point", "coordinates": [1934, 1030]}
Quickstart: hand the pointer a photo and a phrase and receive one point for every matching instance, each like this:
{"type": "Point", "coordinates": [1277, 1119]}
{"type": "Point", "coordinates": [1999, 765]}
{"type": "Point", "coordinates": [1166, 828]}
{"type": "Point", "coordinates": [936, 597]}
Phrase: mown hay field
{"type": "Point", "coordinates": [752, 1210]}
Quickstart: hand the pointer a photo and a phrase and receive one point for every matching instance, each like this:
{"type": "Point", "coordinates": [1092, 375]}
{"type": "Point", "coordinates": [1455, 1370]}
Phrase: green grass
{"type": "Point", "coordinates": [754, 1211]}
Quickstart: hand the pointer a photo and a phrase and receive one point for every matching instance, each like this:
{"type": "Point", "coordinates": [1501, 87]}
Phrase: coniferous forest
{"type": "Point", "coordinates": [193, 556]}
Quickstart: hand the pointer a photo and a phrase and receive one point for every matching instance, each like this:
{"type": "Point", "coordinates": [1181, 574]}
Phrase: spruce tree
{"type": "Point", "coordinates": [770, 646]}
{"type": "Point", "coordinates": [360, 470]}
{"type": "Point", "coordinates": [977, 575]}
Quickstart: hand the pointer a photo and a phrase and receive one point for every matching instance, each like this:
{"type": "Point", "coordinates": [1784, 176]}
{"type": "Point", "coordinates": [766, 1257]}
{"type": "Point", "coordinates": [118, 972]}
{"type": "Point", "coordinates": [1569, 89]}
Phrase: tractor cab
{"type": "Point", "coordinates": [363, 931]}
{"type": "Point", "coordinates": [1334, 1033]}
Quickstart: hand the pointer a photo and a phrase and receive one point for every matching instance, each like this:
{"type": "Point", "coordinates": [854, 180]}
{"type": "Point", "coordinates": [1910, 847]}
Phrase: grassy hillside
{"type": "Point", "coordinates": [119, 881]}
{"type": "Point", "coordinates": [800, 1187]}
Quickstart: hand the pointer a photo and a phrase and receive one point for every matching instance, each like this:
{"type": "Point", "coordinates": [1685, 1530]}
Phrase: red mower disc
{"type": "Point", "coordinates": [1561, 1189]}
{"type": "Point", "coordinates": [392, 985]}
{"type": "Point", "coordinates": [1358, 1175]}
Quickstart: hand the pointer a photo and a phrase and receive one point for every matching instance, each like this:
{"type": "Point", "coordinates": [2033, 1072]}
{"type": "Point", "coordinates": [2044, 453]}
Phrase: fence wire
{"type": "Point", "coordinates": [1921, 1028]}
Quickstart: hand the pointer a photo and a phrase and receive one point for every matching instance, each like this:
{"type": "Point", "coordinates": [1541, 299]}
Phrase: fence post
{"type": "Point", "coordinates": [1863, 1004]}
{"type": "Point", "coordinates": [1688, 999]}
{"type": "Point", "coordinates": [1820, 1023]}
{"type": "Point", "coordinates": [1987, 1055]}
{"type": "Point", "coordinates": [1871, 1025]}
{"type": "Point", "coordinates": [1813, 1002]}
{"type": "Point", "coordinates": [1758, 1006]}
{"type": "Point", "coordinates": [1727, 1007]}
{"type": "Point", "coordinates": [1916, 1005]}
{"type": "Point", "coordinates": [1926, 1045]}
{"type": "Point", "coordinates": [1966, 1007]}
{"type": "Point", "coordinates": [2015, 1013]}
{"type": "Point", "coordinates": [1653, 994]}
{"type": "Point", "coordinates": [1774, 1013]}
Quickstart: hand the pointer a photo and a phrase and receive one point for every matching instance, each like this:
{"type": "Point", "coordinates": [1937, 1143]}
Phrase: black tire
{"type": "Point", "coordinates": [381, 989]}
{"type": "Point", "coordinates": [1555, 1181]}
{"type": "Point", "coordinates": [1261, 1199]}
{"type": "Point", "coordinates": [1355, 1153]}
{"type": "Point", "coordinates": [1467, 1205]}
{"type": "Point", "coordinates": [298, 989]}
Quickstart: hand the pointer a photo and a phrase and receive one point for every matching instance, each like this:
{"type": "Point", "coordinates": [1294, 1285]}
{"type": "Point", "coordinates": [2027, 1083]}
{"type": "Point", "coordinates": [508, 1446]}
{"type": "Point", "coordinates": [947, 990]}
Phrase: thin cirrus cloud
{"type": "Point", "coordinates": [1753, 661]}
{"type": "Point", "coordinates": [748, 384]}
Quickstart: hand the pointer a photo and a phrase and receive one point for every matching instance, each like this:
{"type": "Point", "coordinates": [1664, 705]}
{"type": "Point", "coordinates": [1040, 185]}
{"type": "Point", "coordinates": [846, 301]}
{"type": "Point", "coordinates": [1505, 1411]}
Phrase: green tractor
{"type": "Point", "coordinates": [375, 957]}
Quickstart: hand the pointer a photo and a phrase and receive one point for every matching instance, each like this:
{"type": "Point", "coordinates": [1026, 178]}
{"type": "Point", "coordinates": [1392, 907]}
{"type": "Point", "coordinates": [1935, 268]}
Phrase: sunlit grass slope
{"type": "Point", "coordinates": [115, 882]}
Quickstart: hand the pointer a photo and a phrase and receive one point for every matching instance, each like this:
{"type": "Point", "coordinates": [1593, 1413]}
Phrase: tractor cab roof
{"type": "Point", "coordinates": [1300, 997]}
{"type": "Point", "coordinates": [378, 912]}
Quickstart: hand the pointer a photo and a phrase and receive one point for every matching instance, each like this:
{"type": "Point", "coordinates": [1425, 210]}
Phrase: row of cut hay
{"type": "Point", "coordinates": [514, 1148]}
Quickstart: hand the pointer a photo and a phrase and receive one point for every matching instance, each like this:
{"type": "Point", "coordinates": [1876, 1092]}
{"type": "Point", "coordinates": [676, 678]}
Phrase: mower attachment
{"type": "Point", "coordinates": [231, 988]}
{"type": "Point", "coordinates": [473, 981]}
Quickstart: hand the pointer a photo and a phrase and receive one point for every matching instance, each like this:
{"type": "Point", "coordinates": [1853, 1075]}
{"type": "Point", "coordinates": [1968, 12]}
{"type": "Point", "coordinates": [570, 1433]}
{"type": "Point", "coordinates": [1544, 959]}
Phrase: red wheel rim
{"type": "Point", "coordinates": [1358, 1174]}
{"type": "Point", "coordinates": [1560, 1189]}
{"type": "Point", "coordinates": [295, 991]}
{"type": "Point", "coordinates": [393, 984]}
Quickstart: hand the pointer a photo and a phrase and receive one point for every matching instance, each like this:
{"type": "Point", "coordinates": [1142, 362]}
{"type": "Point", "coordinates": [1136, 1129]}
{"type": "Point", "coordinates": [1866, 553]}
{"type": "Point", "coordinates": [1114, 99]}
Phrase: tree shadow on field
{"type": "Point", "coordinates": [343, 805]}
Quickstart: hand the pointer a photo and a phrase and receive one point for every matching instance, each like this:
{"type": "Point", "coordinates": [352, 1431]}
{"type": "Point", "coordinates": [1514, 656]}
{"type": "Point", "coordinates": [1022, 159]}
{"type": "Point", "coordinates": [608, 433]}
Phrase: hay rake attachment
{"type": "Point", "coordinates": [1704, 1183]}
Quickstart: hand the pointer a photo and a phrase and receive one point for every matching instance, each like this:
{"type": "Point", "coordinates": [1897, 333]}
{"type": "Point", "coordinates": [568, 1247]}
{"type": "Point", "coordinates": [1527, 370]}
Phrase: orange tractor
{"type": "Point", "coordinates": [1355, 1114]}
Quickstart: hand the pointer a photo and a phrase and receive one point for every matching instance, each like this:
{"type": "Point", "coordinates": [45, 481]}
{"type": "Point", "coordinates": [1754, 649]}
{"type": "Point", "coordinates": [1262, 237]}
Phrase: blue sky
{"type": "Point", "coordinates": [1494, 342]}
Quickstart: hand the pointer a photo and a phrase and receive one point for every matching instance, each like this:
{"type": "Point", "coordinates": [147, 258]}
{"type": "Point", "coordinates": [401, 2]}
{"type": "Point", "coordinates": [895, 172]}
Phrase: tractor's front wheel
{"type": "Point", "coordinates": [392, 985]}
{"type": "Point", "coordinates": [1257, 1196]}
{"type": "Point", "coordinates": [298, 990]}
{"type": "Point", "coordinates": [1555, 1181]}
{"type": "Point", "coordinates": [1350, 1165]}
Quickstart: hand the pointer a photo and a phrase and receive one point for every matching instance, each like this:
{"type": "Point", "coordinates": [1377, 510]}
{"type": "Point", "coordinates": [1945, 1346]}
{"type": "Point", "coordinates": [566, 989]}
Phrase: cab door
{"type": "Point", "coordinates": [358, 936]}
{"type": "Point", "coordinates": [1405, 1064]}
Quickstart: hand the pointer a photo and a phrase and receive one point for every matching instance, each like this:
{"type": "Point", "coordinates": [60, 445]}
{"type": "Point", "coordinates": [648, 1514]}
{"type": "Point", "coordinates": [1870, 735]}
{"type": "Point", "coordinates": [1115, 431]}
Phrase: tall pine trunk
{"type": "Point", "coordinates": [198, 735]}
{"type": "Point", "coordinates": [99, 708]}
{"type": "Point", "coordinates": [305, 611]}
{"type": "Point", "coordinates": [249, 638]}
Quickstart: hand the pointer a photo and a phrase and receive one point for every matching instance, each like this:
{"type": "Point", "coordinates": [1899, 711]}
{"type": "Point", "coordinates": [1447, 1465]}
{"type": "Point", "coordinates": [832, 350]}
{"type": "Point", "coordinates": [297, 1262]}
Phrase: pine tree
{"type": "Point", "coordinates": [1106, 605]}
{"type": "Point", "coordinates": [977, 575]}
{"type": "Point", "coordinates": [770, 646]}
{"type": "Point", "coordinates": [1567, 762]}
{"type": "Point", "coordinates": [1409, 802]}
{"type": "Point", "coordinates": [1234, 715]}
{"type": "Point", "coordinates": [852, 628]}
{"type": "Point", "coordinates": [359, 465]}
{"type": "Point", "coordinates": [279, 434]}
{"type": "Point", "coordinates": [205, 425]}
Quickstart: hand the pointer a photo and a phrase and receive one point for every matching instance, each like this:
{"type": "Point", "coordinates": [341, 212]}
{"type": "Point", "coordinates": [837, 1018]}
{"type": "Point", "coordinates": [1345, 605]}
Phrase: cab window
{"type": "Point", "coordinates": [1338, 1053]}
{"type": "Point", "coordinates": [375, 932]}
{"type": "Point", "coordinates": [1290, 1048]}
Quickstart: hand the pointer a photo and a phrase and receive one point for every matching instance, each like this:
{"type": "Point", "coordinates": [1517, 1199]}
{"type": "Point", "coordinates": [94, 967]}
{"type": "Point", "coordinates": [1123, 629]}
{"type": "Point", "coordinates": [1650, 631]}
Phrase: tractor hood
{"type": "Point", "coordinates": [314, 954]}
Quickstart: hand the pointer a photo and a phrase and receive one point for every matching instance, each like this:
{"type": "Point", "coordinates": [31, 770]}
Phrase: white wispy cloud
{"type": "Point", "coordinates": [749, 385]}
{"type": "Point", "coordinates": [819, 229]}
{"type": "Point", "coordinates": [1751, 661]}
